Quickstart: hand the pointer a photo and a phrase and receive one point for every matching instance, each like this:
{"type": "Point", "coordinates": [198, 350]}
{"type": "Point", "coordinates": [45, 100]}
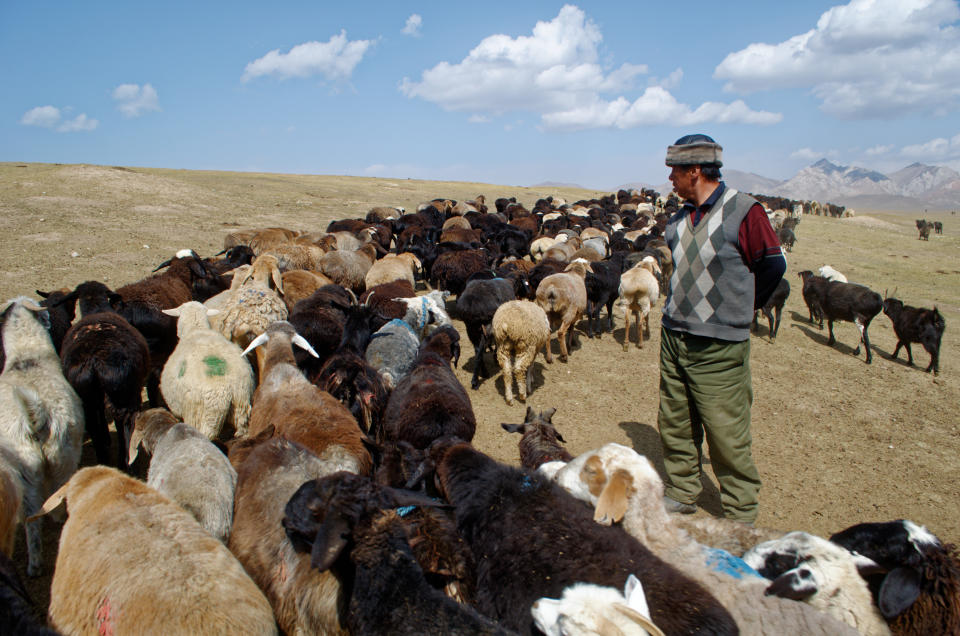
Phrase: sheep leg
{"type": "Point", "coordinates": [610, 304]}
{"type": "Point", "coordinates": [776, 326]}
{"type": "Point", "coordinates": [590, 317]}
{"type": "Point", "coordinates": [33, 531]}
{"type": "Point", "coordinates": [522, 368]}
{"type": "Point", "coordinates": [626, 326]}
{"type": "Point", "coordinates": [906, 345]}
{"type": "Point", "coordinates": [896, 350]}
{"type": "Point", "coordinates": [831, 341]}
{"type": "Point", "coordinates": [478, 366]}
{"type": "Point", "coordinates": [548, 356]}
{"type": "Point", "coordinates": [646, 324]}
{"type": "Point", "coordinates": [562, 337]}
{"type": "Point", "coordinates": [505, 358]}
{"type": "Point", "coordinates": [96, 425]}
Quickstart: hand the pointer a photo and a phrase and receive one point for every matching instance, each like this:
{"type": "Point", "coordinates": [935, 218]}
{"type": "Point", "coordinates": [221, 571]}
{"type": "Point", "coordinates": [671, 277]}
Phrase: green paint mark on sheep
{"type": "Point", "coordinates": [215, 365]}
{"type": "Point", "coordinates": [183, 369]}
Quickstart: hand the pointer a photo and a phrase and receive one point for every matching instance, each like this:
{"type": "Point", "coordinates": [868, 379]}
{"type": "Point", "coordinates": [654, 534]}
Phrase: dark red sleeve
{"type": "Point", "coordinates": [757, 238]}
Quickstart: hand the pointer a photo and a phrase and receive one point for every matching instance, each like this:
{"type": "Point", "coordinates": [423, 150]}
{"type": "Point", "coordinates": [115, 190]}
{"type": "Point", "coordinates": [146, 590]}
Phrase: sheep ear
{"type": "Point", "coordinates": [796, 584]}
{"type": "Point", "coordinates": [134, 447]}
{"type": "Point", "coordinates": [548, 414]}
{"type": "Point", "coordinates": [512, 428]}
{"type": "Point", "coordinates": [900, 589]}
{"type": "Point", "coordinates": [277, 279]}
{"type": "Point", "coordinates": [330, 541]}
{"type": "Point", "coordinates": [866, 566]}
{"type": "Point", "coordinates": [612, 504]}
{"type": "Point", "coordinates": [52, 503]}
{"type": "Point", "coordinates": [212, 312]}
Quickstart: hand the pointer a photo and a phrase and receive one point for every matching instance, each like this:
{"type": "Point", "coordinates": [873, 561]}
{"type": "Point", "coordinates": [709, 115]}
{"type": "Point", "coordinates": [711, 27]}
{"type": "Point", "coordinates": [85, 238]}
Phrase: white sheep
{"type": "Point", "coordinates": [520, 329]}
{"type": "Point", "coordinates": [639, 291]}
{"type": "Point", "coordinates": [426, 312]}
{"type": "Point", "coordinates": [41, 416]}
{"type": "Point", "coordinates": [623, 486]}
{"type": "Point", "coordinates": [186, 467]}
{"type": "Point", "coordinates": [133, 562]}
{"type": "Point", "coordinates": [206, 381]}
{"type": "Point", "coordinates": [394, 267]}
{"type": "Point", "coordinates": [831, 274]}
{"type": "Point", "coordinates": [805, 567]}
{"type": "Point", "coordinates": [586, 609]}
{"type": "Point", "coordinates": [255, 304]}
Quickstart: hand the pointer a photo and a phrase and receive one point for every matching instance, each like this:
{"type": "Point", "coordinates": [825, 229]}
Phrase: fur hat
{"type": "Point", "coordinates": [695, 150]}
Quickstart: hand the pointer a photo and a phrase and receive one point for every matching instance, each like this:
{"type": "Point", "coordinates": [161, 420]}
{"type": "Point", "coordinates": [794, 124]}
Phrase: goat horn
{"type": "Point", "coordinates": [163, 264]}
{"type": "Point", "coordinates": [301, 342]}
{"type": "Point", "coordinates": [366, 303]}
{"type": "Point", "coordinates": [259, 340]}
{"type": "Point", "coordinates": [353, 297]}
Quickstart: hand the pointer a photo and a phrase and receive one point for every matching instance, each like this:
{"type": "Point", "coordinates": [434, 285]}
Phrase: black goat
{"type": "Point", "coordinates": [603, 285]}
{"type": "Point", "coordinates": [429, 402]}
{"type": "Point", "coordinates": [535, 539]}
{"type": "Point", "coordinates": [842, 301]}
{"type": "Point", "coordinates": [106, 361]}
{"type": "Point", "coordinates": [915, 324]}
{"type": "Point", "coordinates": [475, 307]}
{"type": "Point", "coordinates": [916, 585]}
{"type": "Point", "coordinates": [350, 526]}
{"type": "Point", "coordinates": [774, 306]}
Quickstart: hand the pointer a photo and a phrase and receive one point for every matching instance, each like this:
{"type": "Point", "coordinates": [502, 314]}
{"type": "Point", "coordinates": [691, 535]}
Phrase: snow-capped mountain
{"type": "Point", "coordinates": [825, 181]}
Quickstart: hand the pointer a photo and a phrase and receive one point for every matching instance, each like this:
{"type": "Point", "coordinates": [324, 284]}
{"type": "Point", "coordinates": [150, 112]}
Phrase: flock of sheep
{"type": "Point", "coordinates": [310, 461]}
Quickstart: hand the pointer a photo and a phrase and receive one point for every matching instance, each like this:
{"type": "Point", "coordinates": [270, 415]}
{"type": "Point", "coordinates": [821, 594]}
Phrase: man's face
{"type": "Point", "coordinates": [683, 179]}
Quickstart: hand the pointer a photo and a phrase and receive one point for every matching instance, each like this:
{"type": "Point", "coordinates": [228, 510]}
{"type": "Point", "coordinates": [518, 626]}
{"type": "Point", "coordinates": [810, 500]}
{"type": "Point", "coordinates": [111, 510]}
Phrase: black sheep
{"type": "Point", "coordinates": [475, 307]}
{"type": "Point", "coordinates": [452, 269]}
{"type": "Point", "coordinates": [774, 306]}
{"type": "Point", "coordinates": [916, 324]}
{"type": "Point", "coordinates": [540, 442]}
{"type": "Point", "coordinates": [533, 539]}
{"type": "Point", "coordinates": [320, 318]}
{"type": "Point", "coordinates": [106, 361]}
{"type": "Point", "coordinates": [603, 289]}
{"type": "Point", "coordinates": [429, 402]}
{"type": "Point", "coordinates": [350, 525]}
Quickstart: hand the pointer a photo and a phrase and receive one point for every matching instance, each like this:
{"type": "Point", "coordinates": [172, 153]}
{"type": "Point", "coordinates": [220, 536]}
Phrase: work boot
{"type": "Point", "coordinates": [672, 505]}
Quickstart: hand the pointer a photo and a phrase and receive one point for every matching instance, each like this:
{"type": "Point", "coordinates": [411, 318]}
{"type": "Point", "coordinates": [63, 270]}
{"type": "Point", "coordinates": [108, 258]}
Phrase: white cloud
{"type": "Point", "coordinates": [334, 60]}
{"type": "Point", "coordinates": [556, 72]}
{"type": "Point", "coordinates": [869, 58]}
{"type": "Point", "coordinates": [878, 150]}
{"type": "Point", "coordinates": [79, 123]}
{"type": "Point", "coordinates": [42, 116]}
{"type": "Point", "coordinates": [809, 154]}
{"type": "Point", "coordinates": [478, 119]}
{"type": "Point", "coordinates": [134, 100]}
{"type": "Point", "coordinates": [670, 81]}
{"type": "Point", "coordinates": [412, 27]}
{"type": "Point", "coordinates": [51, 117]}
{"type": "Point", "coordinates": [939, 148]}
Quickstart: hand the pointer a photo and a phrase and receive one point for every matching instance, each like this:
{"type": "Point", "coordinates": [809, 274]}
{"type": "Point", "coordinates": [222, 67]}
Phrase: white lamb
{"type": "Point", "coordinates": [41, 416]}
{"type": "Point", "coordinates": [831, 274]}
{"type": "Point", "coordinates": [586, 609]}
{"type": "Point", "coordinates": [206, 381]}
{"type": "Point", "coordinates": [623, 485]}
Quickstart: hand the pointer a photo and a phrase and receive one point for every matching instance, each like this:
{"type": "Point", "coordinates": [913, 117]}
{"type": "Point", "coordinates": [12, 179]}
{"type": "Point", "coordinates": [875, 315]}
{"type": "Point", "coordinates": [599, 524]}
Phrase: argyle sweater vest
{"type": "Point", "coordinates": [711, 289]}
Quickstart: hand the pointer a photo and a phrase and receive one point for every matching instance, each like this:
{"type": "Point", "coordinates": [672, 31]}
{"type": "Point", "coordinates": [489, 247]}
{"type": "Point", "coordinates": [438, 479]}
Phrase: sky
{"type": "Point", "coordinates": [511, 93]}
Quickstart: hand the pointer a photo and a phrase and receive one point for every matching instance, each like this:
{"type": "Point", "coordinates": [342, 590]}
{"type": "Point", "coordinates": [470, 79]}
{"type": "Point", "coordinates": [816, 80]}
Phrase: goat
{"type": "Point", "coordinates": [430, 402]}
{"type": "Point", "coordinates": [540, 441]}
{"type": "Point", "coordinates": [916, 581]}
{"type": "Point", "coordinates": [842, 301]}
{"type": "Point", "coordinates": [773, 306]}
{"type": "Point", "coordinates": [106, 361]}
{"type": "Point", "coordinates": [498, 508]}
{"type": "Point", "coordinates": [915, 324]}
{"type": "Point", "coordinates": [351, 527]}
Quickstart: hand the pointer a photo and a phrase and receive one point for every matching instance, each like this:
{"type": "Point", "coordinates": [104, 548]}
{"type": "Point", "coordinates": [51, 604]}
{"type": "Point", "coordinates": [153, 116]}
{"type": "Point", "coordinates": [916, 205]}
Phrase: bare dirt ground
{"type": "Point", "coordinates": [836, 441]}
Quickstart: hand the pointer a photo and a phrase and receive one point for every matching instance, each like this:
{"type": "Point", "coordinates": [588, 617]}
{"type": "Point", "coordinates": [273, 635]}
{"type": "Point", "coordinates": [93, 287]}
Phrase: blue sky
{"type": "Point", "coordinates": [514, 93]}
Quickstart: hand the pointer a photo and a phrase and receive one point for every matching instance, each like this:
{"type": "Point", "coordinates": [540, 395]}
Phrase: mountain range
{"type": "Point", "coordinates": [915, 187]}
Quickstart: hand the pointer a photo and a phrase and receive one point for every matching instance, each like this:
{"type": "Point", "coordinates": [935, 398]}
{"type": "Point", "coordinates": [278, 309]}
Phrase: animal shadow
{"type": "Point", "coordinates": [645, 439]}
{"type": "Point", "coordinates": [822, 337]}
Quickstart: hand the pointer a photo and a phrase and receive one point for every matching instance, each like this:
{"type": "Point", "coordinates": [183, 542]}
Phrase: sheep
{"type": "Point", "coordinates": [132, 561]}
{"type": "Point", "coordinates": [603, 285]}
{"type": "Point", "coordinates": [498, 508]}
{"type": "Point", "coordinates": [540, 441]}
{"type": "Point", "coordinates": [624, 487]}
{"type": "Point", "coordinates": [427, 312]}
{"type": "Point", "coordinates": [917, 580]}
{"type": "Point", "coordinates": [269, 472]}
{"type": "Point", "coordinates": [380, 298]}
{"type": "Point", "coordinates": [256, 303]}
{"type": "Point", "coordinates": [61, 310]}
{"type": "Point", "coordinates": [476, 306]}
{"type": "Point", "coordinates": [17, 614]}
{"type": "Point", "coordinates": [299, 284]}
{"type": "Point", "coordinates": [298, 410]}
{"type": "Point", "coordinates": [349, 268]}
{"type": "Point", "coordinates": [206, 381]}
{"type": "Point", "coordinates": [219, 301]}
{"type": "Point", "coordinates": [639, 292]}
{"type": "Point", "coordinates": [916, 324]}
{"type": "Point", "coordinates": [106, 361]}
{"type": "Point", "coordinates": [430, 402]}
{"type": "Point", "coordinates": [842, 301]}
{"type": "Point", "coordinates": [773, 306]}
{"type": "Point", "coordinates": [186, 467]}
{"type": "Point", "coordinates": [520, 329]}
{"type": "Point", "coordinates": [394, 267]}
{"type": "Point", "coordinates": [563, 297]}
{"type": "Point", "coordinates": [41, 422]}
{"type": "Point", "coordinates": [586, 609]}
{"type": "Point", "coordinates": [831, 274]}
{"type": "Point", "coordinates": [294, 256]}
{"type": "Point", "coordinates": [392, 351]}
{"type": "Point", "coordinates": [805, 567]}
{"type": "Point", "coordinates": [320, 319]}
{"type": "Point", "coordinates": [452, 269]}
{"type": "Point", "coordinates": [350, 526]}
{"type": "Point", "coordinates": [382, 213]}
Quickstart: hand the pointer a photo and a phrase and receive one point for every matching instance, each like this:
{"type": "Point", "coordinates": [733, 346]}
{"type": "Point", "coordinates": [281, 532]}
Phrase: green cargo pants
{"type": "Point", "coordinates": [705, 392]}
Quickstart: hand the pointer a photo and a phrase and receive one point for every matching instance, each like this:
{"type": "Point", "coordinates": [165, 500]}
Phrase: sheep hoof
{"type": "Point", "coordinates": [509, 402]}
{"type": "Point", "coordinates": [626, 347]}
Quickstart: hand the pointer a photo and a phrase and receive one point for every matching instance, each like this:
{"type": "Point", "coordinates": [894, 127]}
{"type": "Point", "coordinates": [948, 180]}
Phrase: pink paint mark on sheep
{"type": "Point", "coordinates": [104, 618]}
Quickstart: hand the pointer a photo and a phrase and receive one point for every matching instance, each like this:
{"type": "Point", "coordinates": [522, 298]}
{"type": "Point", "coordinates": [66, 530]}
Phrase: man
{"type": "Point", "coordinates": [727, 263]}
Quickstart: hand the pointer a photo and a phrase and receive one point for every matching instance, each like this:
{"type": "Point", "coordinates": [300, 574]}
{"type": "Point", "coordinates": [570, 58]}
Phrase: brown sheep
{"type": "Point", "coordinates": [299, 284]}
{"type": "Point", "coordinates": [639, 292]}
{"type": "Point", "coordinates": [563, 297]}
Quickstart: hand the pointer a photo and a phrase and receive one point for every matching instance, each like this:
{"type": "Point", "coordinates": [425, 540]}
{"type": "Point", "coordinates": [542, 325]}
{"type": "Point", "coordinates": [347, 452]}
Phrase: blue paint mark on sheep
{"type": "Point", "coordinates": [725, 563]}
